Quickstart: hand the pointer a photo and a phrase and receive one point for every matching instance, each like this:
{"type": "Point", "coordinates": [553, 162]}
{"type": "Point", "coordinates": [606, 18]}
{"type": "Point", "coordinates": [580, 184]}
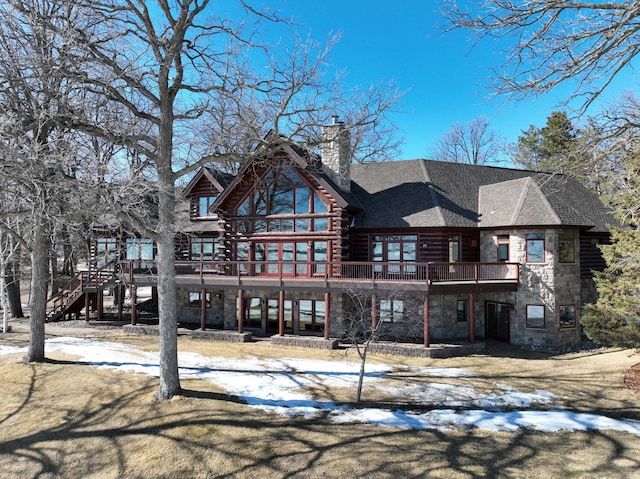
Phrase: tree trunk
{"type": "Point", "coordinates": [13, 294]}
{"type": "Point", "coordinates": [38, 301]}
{"type": "Point", "coordinates": [167, 314]}
{"type": "Point", "coordinates": [3, 297]}
{"type": "Point", "coordinates": [363, 362]}
{"type": "Point", "coordinates": [12, 281]}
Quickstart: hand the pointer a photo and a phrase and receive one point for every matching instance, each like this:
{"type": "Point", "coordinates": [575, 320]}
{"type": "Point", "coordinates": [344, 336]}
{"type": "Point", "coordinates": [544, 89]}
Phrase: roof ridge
{"type": "Point", "coordinates": [546, 201]}
{"type": "Point", "coordinates": [523, 195]}
{"type": "Point", "coordinates": [434, 197]}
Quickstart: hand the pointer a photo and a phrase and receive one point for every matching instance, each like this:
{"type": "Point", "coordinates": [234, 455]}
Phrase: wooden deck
{"type": "Point", "coordinates": [416, 278]}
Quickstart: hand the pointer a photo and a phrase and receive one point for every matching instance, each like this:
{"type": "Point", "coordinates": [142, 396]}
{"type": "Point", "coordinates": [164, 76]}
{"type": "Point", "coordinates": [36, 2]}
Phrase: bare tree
{"type": "Point", "coordinates": [586, 44]}
{"type": "Point", "coordinates": [9, 249]}
{"type": "Point", "coordinates": [368, 318]}
{"type": "Point", "coordinates": [167, 73]}
{"type": "Point", "coordinates": [475, 143]}
{"type": "Point", "coordinates": [33, 146]}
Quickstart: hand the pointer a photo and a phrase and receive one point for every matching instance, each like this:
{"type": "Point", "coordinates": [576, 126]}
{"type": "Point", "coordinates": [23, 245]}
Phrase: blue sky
{"type": "Point", "coordinates": [444, 76]}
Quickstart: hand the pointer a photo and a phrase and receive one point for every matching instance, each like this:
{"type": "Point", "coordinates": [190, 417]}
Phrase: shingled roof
{"type": "Point", "coordinates": [426, 193]}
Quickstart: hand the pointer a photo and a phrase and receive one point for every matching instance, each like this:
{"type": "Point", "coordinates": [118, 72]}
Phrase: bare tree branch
{"type": "Point", "coordinates": [584, 44]}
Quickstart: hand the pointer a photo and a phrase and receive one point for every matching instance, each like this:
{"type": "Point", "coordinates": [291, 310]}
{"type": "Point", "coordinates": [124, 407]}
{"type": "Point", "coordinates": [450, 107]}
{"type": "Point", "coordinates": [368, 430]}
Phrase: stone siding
{"type": "Point", "coordinates": [224, 336]}
{"type": "Point", "coordinates": [305, 342]}
{"type": "Point", "coordinates": [190, 313]}
{"type": "Point", "coordinates": [550, 284]}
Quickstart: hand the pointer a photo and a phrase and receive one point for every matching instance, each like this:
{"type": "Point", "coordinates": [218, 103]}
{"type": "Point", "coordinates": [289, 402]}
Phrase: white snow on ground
{"type": "Point", "coordinates": [10, 349]}
{"type": "Point", "coordinates": [280, 385]}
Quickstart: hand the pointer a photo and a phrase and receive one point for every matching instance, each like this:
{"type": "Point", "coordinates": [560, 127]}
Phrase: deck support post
{"type": "Point", "coordinates": [241, 312]}
{"type": "Point", "coordinates": [281, 313]}
{"type": "Point", "coordinates": [425, 315]}
{"type": "Point", "coordinates": [472, 317]}
{"type": "Point", "coordinates": [203, 309]}
{"type": "Point", "coordinates": [100, 305]}
{"type": "Point", "coordinates": [87, 305]}
{"type": "Point", "coordinates": [134, 305]}
{"type": "Point", "coordinates": [374, 316]}
{"type": "Point", "coordinates": [327, 315]}
{"type": "Point", "coordinates": [119, 298]}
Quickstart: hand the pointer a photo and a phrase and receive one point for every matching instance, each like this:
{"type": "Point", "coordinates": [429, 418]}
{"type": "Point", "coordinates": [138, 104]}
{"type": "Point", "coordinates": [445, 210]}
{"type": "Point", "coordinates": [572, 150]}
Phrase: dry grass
{"type": "Point", "coordinates": [69, 420]}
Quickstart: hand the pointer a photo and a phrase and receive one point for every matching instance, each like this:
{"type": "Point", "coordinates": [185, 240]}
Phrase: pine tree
{"type": "Point", "coordinates": [553, 148]}
{"type": "Point", "coordinates": [615, 318]}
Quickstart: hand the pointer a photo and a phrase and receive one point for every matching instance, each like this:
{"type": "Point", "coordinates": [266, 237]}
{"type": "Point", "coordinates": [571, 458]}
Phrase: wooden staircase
{"type": "Point", "coordinates": [71, 298]}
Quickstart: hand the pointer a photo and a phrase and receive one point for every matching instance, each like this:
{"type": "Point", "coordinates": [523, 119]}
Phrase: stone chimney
{"type": "Point", "coordinates": [336, 157]}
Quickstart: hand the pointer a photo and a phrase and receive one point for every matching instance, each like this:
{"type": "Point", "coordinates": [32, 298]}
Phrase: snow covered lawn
{"type": "Point", "coordinates": [284, 386]}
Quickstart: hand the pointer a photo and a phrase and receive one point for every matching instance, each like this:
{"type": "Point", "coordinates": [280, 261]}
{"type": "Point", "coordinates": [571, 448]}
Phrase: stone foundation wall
{"type": "Point", "coordinates": [190, 313]}
{"type": "Point", "coordinates": [305, 342]}
{"type": "Point", "coordinates": [225, 336]}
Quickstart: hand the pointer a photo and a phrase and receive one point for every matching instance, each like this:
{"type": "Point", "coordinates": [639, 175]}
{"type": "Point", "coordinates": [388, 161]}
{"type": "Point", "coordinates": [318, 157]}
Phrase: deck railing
{"type": "Point", "coordinates": [431, 273]}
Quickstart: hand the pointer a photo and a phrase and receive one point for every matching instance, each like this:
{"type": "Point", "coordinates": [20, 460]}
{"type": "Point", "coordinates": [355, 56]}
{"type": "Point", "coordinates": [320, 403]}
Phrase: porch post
{"type": "Point", "coordinates": [100, 300]}
{"type": "Point", "coordinates": [281, 313]}
{"type": "Point", "coordinates": [472, 317]}
{"type": "Point", "coordinates": [327, 315]}
{"type": "Point", "coordinates": [87, 305]}
{"type": "Point", "coordinates": [119, 290]}
{"type": "Point", "coordinates": [241, 313]}
{"type": "Point", "coordinates": [425, 314]}
{"type": "Point", "coordinates": [203, 309]}
{"type": "Point", "coordinates": [374, 313]}
{"type": "Point", "coordinates": [134, 304]}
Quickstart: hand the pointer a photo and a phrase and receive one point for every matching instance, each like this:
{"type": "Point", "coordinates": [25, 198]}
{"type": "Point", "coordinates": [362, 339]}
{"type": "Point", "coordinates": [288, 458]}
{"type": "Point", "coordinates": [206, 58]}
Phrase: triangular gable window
{"type": "Point", "coordinates": [281, 192]}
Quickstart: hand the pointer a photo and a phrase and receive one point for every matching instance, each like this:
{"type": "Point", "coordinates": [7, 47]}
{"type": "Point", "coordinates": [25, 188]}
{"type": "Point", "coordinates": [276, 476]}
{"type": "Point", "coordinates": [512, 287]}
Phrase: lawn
{"type": "Point", "coordinates": [261, 411]}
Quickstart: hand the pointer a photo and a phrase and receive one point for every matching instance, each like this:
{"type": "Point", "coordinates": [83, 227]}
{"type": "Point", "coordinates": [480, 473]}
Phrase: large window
{"type": "Point", "coordinates": [196, 297]}
{"type": "Point", "coordinates": [566, 247]}
{"type": "Point", "coordinates": [311, 315]}
{"type": "Point", "coordinates": [139, 249]}
{"type": "Point", "coordinates": [204, 248]}
{"type": "Point", "coordinates": [140, 252]}
{"type": "Point", "coordinates": [286, 258]}
{"type": "Point", "coordinates": [535, 316]}
{"type": "Point", "coordinates": [252, 312]}
{"type": "Point", "coordinates": [106, 251]}
{"type": "Point", "coordinates": [391, 310]}
{"type": "Point", "coordinates": [395, 249]}
{"type": "Point", "coordinates": [308, 314]}
{"type": "Point", "coordinates": [273, 315]}
{"type": "Point", "coordinates": [282, 193]}
{"type": "Point", "coordinates": [535, 248]}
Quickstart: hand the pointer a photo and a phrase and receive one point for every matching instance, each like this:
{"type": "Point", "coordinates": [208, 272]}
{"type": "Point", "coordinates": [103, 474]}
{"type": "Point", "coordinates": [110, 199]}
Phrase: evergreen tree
{"type": "Point", "coordinates": [615, 318]}
{"type": "Point", "coordinates": [554, 147]}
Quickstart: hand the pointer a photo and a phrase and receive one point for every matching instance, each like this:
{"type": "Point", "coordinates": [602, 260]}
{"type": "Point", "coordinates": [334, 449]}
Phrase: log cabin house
{"type": "Point", "coordinates": [442, 251]}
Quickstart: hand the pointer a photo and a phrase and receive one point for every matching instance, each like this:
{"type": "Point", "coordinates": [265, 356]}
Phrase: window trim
{"type": "Point", "coordinates": [465, 309]}
{"type": "Point", "coordinates": [536, 237]}
{"type": "Point", "coordinates": [544, 317]}
{"type": "Point", "coordinates": [574, 324]}
{"type": "Point", "coordinates": [314, 326]}
{"type": "Point", "coordinates": [198, 242]}
{"type": "Point", "coordinates": [379, 251]}
{"type": "Point", "coordinates": [205, 202]}
{"type": "Point", "coordinates": [501, 241]}
{"type": "Point", "coordinates": [567, 241]}
{"type": "Point", "coordinates": [394, 313]}
{"type": "Point", "coordinates": [195, 297]}
{"type": "Point", "coordinates": [140, 246]}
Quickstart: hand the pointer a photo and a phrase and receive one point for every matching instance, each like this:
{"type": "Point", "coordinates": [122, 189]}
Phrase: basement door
{"type": "Point", "coordinates": [497, 320]}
